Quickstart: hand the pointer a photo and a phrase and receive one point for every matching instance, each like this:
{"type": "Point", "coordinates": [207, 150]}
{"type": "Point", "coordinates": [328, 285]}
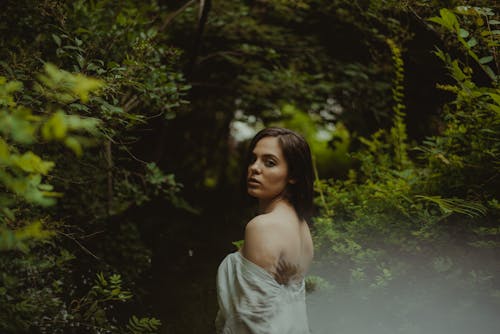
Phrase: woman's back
{"type": "Point", "coordinates": [298, 250]}
{"type": "Point", "coordinates": [280, 243]}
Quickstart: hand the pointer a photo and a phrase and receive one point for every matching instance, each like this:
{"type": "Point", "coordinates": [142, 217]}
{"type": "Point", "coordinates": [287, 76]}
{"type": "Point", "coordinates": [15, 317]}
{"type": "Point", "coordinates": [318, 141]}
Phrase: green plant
{"type": "Point", "coordinates": [422, 213]}
{"type": "Point", "coordinates": [32, 283]}
{"type": "Point", "coordinates": [483, 37]}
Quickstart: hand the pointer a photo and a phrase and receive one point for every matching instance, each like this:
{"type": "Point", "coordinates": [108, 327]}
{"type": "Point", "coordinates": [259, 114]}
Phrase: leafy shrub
{"type": "Point", "coordinates": [420, 221]}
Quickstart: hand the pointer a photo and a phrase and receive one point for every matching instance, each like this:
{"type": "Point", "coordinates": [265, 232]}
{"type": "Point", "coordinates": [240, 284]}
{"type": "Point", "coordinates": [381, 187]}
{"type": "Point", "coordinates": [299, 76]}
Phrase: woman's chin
{"type": "Point", "coordinates": [253, 193]}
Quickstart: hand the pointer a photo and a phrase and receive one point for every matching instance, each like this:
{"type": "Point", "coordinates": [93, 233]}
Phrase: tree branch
{"type": "Point", "coordinates": [172, 16]}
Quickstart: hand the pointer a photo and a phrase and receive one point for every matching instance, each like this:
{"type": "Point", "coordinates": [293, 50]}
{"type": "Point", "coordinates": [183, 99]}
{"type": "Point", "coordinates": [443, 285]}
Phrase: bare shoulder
{"type": "Point", "coordinates": [266, 227]}
{"type": "Point", "coordinates": [260, 245]}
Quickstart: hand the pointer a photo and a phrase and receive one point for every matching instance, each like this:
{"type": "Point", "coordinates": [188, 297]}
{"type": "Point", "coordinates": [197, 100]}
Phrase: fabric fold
{"type": "Point", "coordinates": [251, 301]}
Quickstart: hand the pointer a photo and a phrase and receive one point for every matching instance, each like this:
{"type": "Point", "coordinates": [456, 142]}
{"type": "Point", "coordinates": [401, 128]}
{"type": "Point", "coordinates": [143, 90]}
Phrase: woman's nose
{"type": "Point", "coordinates": [255, 167]}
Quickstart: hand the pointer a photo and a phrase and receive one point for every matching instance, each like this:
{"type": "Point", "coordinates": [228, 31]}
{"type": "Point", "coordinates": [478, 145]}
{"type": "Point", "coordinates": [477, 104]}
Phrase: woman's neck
{"type": "Point", "coordinates": [267, 206]}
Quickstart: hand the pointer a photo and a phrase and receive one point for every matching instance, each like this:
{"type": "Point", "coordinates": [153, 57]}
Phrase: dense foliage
{"type": "Point", "coordinates": [52, 281]}
{"type": "Point", "coordinates": [416, 225]}
{"type": "Point", "coordinates": [105, 104]}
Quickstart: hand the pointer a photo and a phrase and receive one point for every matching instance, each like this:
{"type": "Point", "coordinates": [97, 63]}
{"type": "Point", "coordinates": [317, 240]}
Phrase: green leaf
{"type": "Point", "coordinates": [83, 86]}
{"type": "Point", "coordinates": [56, 127]}
{"type": "Point", "coordinates": [238, 243]}
{"type": "Point", "coordinates": [121, 19]}
{"type": "Point", "coordinates": [46, 187]}
{"type": "Point", "coordinates": [101, 280]}
{"type": "Point", "coordinates": [80, 60]}
{"type": "Point", "coordinates": [472, 42]}
{"type": "Point", "coordinates": [4, 151]}
{"type": "Point", "coordinates": [437, 20]}
{"type": "Point", "coordinates": [449, 19]}
{"type": "Point", "coordinates": [440, 54]}
{"type": "Point", "coordinates": [7, 212]}
{"type": "Point", "coordinates": [485, 60]}
{"type": "Point", "coordinates": [73, 144]}
{"type": "Point", "coordinates": [32, 163]}
{"type": "Point", "coordinates": [490, 72]}
{"type": "Point", "coordinates": [23, 238]}
{"type": "Point", "coordinates": [463, 33]}
{"type": "Point", "coordinates": [18, 124]}
{"type": "Point", "coordinates": [67, 86]}
{"type": "Point", "coordinates": [56, 39]}
{"type": "Point", "coordinates": [457, 71]}
{"type": "Point", "coordinates": [495, 97]}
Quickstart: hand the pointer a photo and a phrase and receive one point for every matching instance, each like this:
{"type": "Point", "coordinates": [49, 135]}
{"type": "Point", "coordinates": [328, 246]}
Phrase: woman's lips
{"type": "Point", "coordinates": [253, 181]}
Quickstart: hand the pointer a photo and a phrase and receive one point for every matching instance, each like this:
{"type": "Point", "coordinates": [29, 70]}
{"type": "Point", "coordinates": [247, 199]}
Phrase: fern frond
{"type": "Point", "coordinates": [143, 325]}
{"type": "Point", "coordinates": [456, 205]}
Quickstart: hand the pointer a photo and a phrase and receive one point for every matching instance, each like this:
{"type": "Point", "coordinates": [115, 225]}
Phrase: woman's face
{"type": "Point", "coordinates": [267, 175]}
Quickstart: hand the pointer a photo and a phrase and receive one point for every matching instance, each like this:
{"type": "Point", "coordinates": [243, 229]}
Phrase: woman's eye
{"type": "Point", "coordinates": [270, 163]}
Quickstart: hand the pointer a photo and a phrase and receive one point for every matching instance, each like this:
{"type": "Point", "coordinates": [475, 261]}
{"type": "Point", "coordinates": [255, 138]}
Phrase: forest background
{"type": "Point", "coordinates": [122, 129]}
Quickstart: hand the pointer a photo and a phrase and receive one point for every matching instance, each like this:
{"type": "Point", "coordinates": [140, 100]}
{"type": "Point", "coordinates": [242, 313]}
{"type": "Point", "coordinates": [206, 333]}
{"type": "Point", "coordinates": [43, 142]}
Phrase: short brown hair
{"type": "Point", "coordinates": [298, 157]}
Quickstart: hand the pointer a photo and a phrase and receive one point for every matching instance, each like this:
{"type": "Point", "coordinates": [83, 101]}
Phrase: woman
{"type": "Point", "coordinates": [261, 287]}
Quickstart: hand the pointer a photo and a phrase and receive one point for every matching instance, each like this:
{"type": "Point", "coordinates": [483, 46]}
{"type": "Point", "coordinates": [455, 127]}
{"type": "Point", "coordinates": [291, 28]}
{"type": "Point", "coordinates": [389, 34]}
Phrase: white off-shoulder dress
{"type": "Point", "coordinates": [251, 301]}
